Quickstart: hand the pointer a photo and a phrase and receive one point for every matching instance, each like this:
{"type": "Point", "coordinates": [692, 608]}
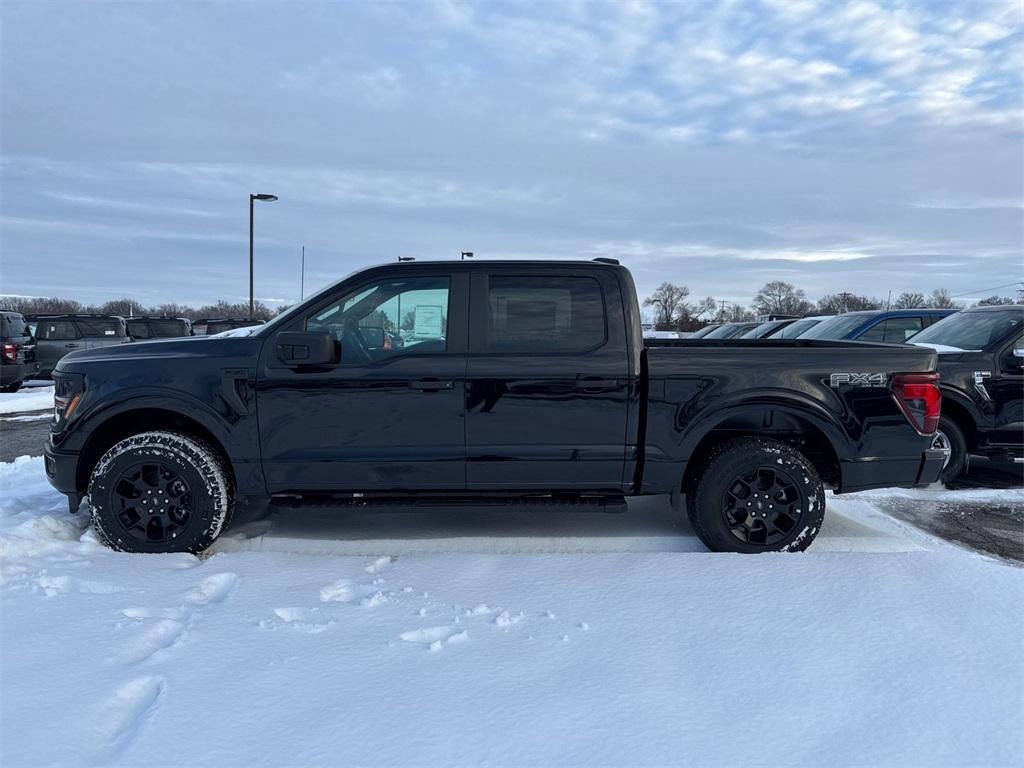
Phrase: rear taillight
{"type": "Point", "coordinates": [920, 399]}
{"type": "Point", "coordinates": [10, 352]}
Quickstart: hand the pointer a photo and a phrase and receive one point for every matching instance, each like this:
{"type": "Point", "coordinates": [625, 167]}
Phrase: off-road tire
{"type": "Point", "coordinates": [199, 465]}
{"type": "Point", "coordinates": [957, 464]}
{"type": "Point", "coordinates": [733, 462]}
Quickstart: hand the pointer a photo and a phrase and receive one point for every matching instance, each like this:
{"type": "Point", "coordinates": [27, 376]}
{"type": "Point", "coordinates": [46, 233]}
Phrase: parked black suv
{"type": "Point", "coordinates": [56, 335]}
{"type": "Point", "coordinates": [981, 352]}
{"type": "Point", "coordinates": [144, 328]}
{"type": "Point", "coordinates": [17, 351]}
{"type": "Point", "coordinates": [524, 381]}
{"type": "Point", "coordinates": [208, 326]}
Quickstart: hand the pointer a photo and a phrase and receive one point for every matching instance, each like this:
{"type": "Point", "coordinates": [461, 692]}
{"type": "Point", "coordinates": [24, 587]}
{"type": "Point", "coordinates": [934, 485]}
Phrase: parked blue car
{"type": "Point", "coordinates": [892, 325]}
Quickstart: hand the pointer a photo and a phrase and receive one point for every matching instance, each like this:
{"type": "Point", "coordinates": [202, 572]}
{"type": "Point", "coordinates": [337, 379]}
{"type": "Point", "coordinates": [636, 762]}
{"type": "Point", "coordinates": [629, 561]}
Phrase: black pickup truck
{"type": "Point", "coordinates": [981, 364]}
{"type": "Point", "coordinates": [514, 382]}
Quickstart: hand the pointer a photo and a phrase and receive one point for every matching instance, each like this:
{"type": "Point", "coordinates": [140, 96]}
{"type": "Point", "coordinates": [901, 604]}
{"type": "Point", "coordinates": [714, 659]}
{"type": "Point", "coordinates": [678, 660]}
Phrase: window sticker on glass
{"type": "Point", "coordinates": [427, 322]}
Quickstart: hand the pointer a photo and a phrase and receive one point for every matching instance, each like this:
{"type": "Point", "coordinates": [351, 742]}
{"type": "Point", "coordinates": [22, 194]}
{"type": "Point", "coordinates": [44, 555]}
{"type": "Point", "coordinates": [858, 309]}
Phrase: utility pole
{"type": "Point", "coordinates": [252, 199]}
{"type": "Point", "coordinates": [302, 276]}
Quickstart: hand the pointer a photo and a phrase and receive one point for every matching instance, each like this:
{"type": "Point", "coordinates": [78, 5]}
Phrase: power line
{"type": "Point", "coordinates": [982, 290]}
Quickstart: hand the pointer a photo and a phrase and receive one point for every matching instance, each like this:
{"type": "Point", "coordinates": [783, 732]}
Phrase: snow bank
{"type": "Point", "coordinates": [879, 646]}
{"type": "Point", "coordinates": [31, 399]}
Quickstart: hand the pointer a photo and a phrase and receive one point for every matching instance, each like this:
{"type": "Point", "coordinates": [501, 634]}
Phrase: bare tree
{"type": "Point", "coordinates": [993, 301]}
{"type": "Point", "coordinates": [837, 303]}
{"type": "Point", "coordinates": [908, 300]}
{"type": "Point", "coordinates": [124, 307]}
{"type": "Point", "coordinates": [669, 302]}
{"type": "Point", "coordinates": [940, 299]}
{"type": "Point", "coordinates": [781, 298]}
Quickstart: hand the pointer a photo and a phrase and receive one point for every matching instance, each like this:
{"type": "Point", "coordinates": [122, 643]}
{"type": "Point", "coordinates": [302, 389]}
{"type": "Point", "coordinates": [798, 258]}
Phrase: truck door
{"type": "Point", "coordinates": [389, 415]}
{"type": "Point", "coordinates": [547, 381]}
{"type": "Point", "coordinates": [1007, 391]}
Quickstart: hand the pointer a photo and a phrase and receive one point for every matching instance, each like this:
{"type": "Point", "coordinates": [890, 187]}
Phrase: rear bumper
{"type": "Point", "coordinates": [11, 373]}
{"type": "Point", "coordinates": [886, 472]}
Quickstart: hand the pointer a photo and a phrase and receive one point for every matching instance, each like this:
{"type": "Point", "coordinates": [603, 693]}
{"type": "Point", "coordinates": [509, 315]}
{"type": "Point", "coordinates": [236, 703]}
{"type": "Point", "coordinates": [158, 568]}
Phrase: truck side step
{"type": "Point", "coordinates": [562, 503]}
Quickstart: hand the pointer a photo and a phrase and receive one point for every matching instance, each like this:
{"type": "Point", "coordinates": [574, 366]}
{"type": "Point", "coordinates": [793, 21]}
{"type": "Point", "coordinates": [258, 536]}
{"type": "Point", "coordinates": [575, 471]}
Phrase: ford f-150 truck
{"type": "Point", "coordinates": [981, 364]}
{"type": "Point", "coordinates": [517, 381]}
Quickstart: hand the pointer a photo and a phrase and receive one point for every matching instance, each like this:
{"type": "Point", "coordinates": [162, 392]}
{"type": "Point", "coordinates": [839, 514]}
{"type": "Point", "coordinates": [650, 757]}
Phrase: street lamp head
{"type": "Point", "coordinates": [268, 198]}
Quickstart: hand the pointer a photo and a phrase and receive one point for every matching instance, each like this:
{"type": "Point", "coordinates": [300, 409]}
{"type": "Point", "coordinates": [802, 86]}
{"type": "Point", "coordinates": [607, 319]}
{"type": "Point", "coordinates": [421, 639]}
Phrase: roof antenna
{"type": "Point", "coordinates": [466, 255]}
{"type": "Point", "coordinates": [407, 258]}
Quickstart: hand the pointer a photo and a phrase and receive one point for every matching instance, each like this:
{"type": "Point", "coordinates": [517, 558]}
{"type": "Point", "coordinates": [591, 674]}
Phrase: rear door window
{"type": "Point", "coordinates": [544, 314]}
{"type": "Point", "coordinates": [100, 326]}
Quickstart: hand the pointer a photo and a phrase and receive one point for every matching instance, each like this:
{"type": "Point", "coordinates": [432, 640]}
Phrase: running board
{"type": "Point", "coordinates": [610, 504]}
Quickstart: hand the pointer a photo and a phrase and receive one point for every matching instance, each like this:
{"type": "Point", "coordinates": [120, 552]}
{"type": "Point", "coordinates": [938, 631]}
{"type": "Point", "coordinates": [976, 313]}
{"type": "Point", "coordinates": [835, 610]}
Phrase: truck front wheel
{"type": "Point", "coordinates": [756, 494]}
{"type": "Point", "coordinates": [160, 492]}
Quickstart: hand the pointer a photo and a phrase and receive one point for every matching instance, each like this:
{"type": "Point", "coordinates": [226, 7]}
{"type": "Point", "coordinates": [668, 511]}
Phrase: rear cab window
{"type": "Point", "coordinates": [895, 330]}
{"type": "Point", "coordinates": [544, 314]}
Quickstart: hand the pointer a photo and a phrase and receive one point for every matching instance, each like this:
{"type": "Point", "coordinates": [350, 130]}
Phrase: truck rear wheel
{"type": "Point", "coordinates": [756, 494]}
{"type": "Point", "coordinates": [160, 492]}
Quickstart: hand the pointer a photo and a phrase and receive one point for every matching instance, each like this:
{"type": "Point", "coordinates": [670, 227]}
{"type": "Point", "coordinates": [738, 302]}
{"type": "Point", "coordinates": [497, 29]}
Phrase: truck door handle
{"type": "Point", "coordinates": [70, 346]}
{"type": "Point", "coordinates": [596, 385]}
{"type": "Point", "coordinates": [430, 385]}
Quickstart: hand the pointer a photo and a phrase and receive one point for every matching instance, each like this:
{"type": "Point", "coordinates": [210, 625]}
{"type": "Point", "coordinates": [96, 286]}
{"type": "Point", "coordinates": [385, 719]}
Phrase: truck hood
{"type": "Point", "coordinates": [185, 348]}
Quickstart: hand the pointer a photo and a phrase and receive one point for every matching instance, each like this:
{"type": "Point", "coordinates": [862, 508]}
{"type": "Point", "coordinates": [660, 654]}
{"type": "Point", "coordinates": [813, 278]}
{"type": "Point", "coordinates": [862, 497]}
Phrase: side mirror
{"type": "Point", "coordinates": [306, 348]}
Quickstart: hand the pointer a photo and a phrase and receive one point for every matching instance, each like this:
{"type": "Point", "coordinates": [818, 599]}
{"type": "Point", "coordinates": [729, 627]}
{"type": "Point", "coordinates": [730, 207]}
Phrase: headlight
{"type": "Point", "coordinates": [67, 394]}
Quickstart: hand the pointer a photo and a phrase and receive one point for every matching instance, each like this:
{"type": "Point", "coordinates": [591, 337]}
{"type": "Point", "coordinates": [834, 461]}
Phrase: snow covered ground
{"type": "Point", "coordinates": [33, 398]}
{"type": "Point", "coordinates": [505, 640]}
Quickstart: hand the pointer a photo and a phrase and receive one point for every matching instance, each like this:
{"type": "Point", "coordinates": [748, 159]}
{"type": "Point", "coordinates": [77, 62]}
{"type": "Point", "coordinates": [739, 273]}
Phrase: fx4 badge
{"type": "Point", "coordinates": [859, 379]}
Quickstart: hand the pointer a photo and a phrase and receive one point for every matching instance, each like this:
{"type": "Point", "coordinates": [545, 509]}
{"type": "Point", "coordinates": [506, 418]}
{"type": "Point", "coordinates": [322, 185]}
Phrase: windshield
{"type": "Point", "coordinates": [728, 330]}
{"type": "Point", "coordinates": [793, 330]}
{"type": "Point", "coordinates": [838, 327]}
{"type": "Point", "coordinates": [704, 331]}
{"type": "Point", "coordinates": [972, 330]}
{"type": "Point", "coordinates": [762, 330]}
{"type": "Point", "coordinates": [100, 326]}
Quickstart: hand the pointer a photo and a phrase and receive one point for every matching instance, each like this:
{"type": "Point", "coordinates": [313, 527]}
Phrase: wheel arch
{"type": "Point", "coordinates": [812, 436]}
{"type": "Point", "coordinates": [132, 421]}
{"type": "Point", "coordinates": [963, 413]}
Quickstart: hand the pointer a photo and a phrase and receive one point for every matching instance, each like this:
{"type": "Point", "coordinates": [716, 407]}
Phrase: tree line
{"type": "Point", "coordinates": [674, 311]}
{"type": "Point", "coordinates": [32, 305]}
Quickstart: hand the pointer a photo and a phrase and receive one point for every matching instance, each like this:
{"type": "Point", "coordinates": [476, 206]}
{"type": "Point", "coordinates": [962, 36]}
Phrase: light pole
{"type": "Point", "coordinates": [252, 198]}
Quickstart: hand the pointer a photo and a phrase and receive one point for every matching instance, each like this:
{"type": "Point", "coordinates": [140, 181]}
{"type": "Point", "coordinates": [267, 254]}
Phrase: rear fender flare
{"type": "Point", "coordinates": [808, 411]}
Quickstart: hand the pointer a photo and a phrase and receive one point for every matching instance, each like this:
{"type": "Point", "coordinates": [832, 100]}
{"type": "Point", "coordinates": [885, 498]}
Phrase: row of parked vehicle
{"type": "Point", "coordinates": [887, 325]}
{"type": "Point", "coordinates": [31, 345]}
{"type": "Point", "coordinates": [981, 353]}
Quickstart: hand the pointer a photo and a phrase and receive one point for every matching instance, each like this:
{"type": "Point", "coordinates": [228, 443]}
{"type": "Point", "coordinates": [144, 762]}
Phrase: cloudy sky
{"type": "Point", "coordinates": [853, 146]}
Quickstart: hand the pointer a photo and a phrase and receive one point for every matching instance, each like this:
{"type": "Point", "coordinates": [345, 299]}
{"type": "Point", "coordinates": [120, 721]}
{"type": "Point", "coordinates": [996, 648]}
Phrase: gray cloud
{"type": "Point", "coordinates": [720, 145]}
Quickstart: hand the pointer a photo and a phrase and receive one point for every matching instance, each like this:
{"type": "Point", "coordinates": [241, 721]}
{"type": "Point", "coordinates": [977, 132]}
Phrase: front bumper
{"type": "Point", "coordinates": [62, 473]}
